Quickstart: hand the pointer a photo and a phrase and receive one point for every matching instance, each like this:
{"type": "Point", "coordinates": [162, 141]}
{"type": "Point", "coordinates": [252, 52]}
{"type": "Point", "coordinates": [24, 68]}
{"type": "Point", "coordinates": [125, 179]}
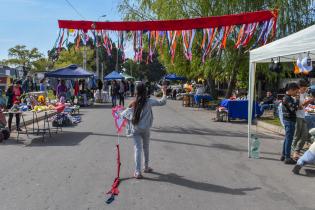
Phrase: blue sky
{"type": "Point", "coordinates": [34, 22]}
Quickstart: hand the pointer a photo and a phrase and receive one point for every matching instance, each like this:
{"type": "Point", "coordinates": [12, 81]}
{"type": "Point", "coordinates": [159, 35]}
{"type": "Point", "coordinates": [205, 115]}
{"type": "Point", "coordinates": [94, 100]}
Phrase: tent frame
{"type": "Point", "coordinates": [287, 49]}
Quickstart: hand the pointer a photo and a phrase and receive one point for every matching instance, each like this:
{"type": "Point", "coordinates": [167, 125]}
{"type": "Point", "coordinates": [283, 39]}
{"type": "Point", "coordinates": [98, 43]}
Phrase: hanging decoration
{"type": "Point", "coordinates": [120, 122]}
{"type": "Point", "coordinates": [215, 31]}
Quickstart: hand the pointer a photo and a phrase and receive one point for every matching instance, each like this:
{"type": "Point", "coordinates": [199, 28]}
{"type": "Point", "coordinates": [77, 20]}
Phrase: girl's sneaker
{"type": "Point", "coordinates": [147, 170]}
{"type": "Point", "coordinates": [137, 175]}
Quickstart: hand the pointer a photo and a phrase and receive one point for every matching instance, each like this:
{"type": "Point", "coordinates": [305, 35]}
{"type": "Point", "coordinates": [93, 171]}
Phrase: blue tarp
{"type": "Point", "coordinates": [237, 109]}
{"type": "Point", "coordinates": [72, 71]}
{"type": "Point", "coordinates": [113, 75]}
{"type": "Point", "coordinates": [174, 77]}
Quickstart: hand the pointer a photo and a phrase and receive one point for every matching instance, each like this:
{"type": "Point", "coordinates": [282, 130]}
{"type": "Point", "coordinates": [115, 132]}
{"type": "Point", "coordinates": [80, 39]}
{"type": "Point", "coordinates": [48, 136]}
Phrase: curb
{"type": "Point", "coordinates": [29, 122]}
{"type": "Point", "coordinates": [270, 127]}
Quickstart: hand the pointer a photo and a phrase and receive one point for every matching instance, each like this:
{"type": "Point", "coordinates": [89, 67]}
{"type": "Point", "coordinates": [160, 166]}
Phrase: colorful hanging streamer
{"type": "Point", "coordinates": [214, 36]}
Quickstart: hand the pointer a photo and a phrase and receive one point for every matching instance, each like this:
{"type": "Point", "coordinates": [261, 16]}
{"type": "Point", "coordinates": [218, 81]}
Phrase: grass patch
{"type": "Point", "coordinates": [275, 121]}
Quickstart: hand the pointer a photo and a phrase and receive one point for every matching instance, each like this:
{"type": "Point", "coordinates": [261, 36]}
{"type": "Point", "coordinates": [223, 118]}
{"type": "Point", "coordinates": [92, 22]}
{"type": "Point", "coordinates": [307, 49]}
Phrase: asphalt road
{"type": "Point", "coordinates": [199, 164]}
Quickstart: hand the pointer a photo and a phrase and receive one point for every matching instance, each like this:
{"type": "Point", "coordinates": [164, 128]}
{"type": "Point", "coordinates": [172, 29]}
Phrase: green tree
{"type": "Point", "coordinates": [229, 65]}
{"type": "Point", "coordinates": [151, 71]}
{"type": "Point", "coordinates": [21, 56]}
{"type": "Point", "coordinates": [75, 56]}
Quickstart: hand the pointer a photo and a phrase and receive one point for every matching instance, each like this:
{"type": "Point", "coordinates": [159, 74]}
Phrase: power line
{"type": "Point", "coordinates": [75, 9]}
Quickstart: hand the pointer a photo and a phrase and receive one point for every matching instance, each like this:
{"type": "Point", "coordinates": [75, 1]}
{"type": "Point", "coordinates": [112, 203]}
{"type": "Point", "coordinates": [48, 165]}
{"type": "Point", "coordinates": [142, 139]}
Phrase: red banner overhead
{"type": "Point", "coordinates": [171, 25]}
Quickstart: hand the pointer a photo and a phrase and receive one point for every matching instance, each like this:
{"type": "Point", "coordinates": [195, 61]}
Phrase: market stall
{"type": "Point", "coordinates": [76, 77]}
{"type": "Point", "coordinates": [174, 77]}
{"type": "Point", "coordinates": [292, 48]}
{"type": "Point", "coordinates": [114, 75]}
{"type": "Point", "coordinates": [237, 109]}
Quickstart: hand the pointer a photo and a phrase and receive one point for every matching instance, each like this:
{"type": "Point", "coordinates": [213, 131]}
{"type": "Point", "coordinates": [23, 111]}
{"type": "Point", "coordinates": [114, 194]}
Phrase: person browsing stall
{"type": "Point", "coordinates": [301, 135]}
{"type": "Point", "coordinates": [13, 97]}
{"type": "Point", "coordinates": [289, 107]}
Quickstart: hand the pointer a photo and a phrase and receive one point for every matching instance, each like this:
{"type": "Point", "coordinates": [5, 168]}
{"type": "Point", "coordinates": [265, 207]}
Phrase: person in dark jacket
{"type": "Point", "coordinates": [289, 107]}
{"type": "Point", "coordinates": [114, 91]}
{"type": "Point", "coordinates": [13, 97]}
{"type": "Point", "coordinates": [267, 101]}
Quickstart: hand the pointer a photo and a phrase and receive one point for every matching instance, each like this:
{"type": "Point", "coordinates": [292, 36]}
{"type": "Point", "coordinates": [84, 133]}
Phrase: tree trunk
{"type": "Point", "coordinates": [232, 82]}
{"type": "Point", "coordinates": [212, 89]}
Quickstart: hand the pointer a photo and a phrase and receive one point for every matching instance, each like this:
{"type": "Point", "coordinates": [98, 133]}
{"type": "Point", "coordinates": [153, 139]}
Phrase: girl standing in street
{"type": "Point", "coordinates": [142, 121]}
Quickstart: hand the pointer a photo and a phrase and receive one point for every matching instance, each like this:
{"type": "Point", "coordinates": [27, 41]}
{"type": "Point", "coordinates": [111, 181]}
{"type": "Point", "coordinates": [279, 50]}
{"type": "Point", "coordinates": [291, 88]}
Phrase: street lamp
{"type": "Point", "coordinates": [97, 53]}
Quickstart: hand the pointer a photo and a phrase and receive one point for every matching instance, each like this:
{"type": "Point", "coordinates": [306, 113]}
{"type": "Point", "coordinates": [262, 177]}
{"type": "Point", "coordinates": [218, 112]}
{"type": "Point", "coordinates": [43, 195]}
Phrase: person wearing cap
{"type": "Point", "coordinates": [13, 97]}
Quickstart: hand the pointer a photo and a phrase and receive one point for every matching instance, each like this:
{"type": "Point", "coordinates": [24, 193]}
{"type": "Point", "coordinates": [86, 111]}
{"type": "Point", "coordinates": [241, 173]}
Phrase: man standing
{"type": "Point", "coordinates": [27, 85]}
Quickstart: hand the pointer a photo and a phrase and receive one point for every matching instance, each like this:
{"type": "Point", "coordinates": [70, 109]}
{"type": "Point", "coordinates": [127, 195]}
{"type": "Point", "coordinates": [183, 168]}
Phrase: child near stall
{"type": "Point", "coordinates": [308, 157]}
{"type": "Point", "coordinates": [289, 107]}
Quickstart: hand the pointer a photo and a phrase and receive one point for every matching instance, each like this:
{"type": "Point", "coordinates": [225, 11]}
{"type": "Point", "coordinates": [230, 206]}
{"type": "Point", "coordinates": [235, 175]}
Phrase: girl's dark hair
{"type": "Point", "coordinates": [291, 86]}
{"type": "Point", "coordinates": [141, 99]}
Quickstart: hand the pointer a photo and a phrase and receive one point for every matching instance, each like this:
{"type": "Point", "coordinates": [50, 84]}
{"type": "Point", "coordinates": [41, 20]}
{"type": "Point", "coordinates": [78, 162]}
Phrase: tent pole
{"type": "Point", "coordinates": [251, 86]}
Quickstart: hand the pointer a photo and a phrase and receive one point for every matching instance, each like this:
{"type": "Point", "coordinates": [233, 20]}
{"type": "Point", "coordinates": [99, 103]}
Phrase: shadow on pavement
{"type": "Point", "coordinates": [205, 132]}
{"type": "Point", "coordinates": [173, 178]}
{"type": "Point", "coordinates": [61, 139]}
{"type": "Point", "coordinates": [218, 146]}
{"type": "Point", "coordinates": [310, 172]}
{"type": "Point", "coordinates": [98, 106]}
{"type": "Point", "coordinates": [268, 158]}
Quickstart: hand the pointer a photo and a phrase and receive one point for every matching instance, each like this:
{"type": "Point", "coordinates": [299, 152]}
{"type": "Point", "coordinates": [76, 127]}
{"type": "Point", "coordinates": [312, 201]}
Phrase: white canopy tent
{"type": "Point", "coordinates": [288, 49]}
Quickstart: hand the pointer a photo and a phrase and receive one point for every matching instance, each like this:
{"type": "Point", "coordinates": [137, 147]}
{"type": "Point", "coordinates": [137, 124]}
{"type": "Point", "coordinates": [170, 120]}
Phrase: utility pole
{"type": "Point", "coordinates": [84, 57]}
{"type": "Point", "coordinates": [117, 59]}
{"type": "Point", "coordinates": [102, 74]}
{"type": "Point", "coordinates": [96, 48]}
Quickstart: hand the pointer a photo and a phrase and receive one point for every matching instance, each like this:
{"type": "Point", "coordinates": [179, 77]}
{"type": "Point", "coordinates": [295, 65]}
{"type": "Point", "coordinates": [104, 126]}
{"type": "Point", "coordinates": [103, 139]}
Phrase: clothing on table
{"type": "Point", "coordinates": [42, 87]}
{"type": "Point", "coordinates": [69, 84]}
{"type": "Point", "coordinates": [76, 88]}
